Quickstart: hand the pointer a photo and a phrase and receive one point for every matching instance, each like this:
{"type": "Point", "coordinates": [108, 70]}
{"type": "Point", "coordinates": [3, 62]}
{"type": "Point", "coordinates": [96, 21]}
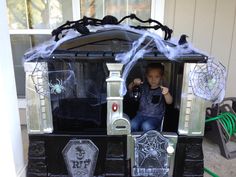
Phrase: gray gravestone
{"type": "Point", "coordinates": [80, 156]}
{"type": "Point", "coordinates": [151, 158]}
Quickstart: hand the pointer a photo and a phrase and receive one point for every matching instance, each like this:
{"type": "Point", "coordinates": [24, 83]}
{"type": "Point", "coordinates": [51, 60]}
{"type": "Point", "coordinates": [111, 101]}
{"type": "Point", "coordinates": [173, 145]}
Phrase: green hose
{"type": "Point", "coordinates": [210, 172]}
{"type": "Point", "coordinates": [228, 120]}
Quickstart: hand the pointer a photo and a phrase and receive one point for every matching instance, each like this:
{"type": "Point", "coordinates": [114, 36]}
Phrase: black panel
{"type": "Point", "coordinates": [49, 162]}
{"type": "Point", "coordinates": [189, 157]}
{"type": "Point", "coordinates": [37, 161]}
{"type": "Point", "coordinates": [77, 115]}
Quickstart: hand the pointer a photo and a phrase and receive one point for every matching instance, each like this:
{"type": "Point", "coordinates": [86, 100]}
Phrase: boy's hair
{"type": "Point", "coordinates": [155, 66]}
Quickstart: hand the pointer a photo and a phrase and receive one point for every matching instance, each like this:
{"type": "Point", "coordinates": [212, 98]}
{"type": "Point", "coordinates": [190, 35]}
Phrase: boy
{"type": "Point", "coordinates": [152, 101]}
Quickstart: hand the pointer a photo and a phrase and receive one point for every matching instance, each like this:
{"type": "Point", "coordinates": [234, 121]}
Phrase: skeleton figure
{"type": "Point", "coordinates": [56, 88]}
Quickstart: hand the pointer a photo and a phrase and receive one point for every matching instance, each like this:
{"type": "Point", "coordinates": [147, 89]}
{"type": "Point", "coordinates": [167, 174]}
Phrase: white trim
{"type": "Point", "coordinates": [11, 152]}
{"type": "Point", "coordinates": [127, 9]}
{"type": "Point", "coordinates": [22, 172]}
{"type": "Point", "coordinates": [157, 12]}
{"type": "Point", "coordinates": [103, 8]}
{"type": "Point", "coordinates": [21, 103]}
{"type": "Point", "coordinates": [76, 9]}
{"type": "Point", "coordinates": [26, 10]}
{"type": "Point", "coordinates": [30, 31]}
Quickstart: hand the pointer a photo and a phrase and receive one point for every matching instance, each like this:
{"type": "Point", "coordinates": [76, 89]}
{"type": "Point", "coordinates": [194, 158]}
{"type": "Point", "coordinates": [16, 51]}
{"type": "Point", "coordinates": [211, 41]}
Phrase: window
{"type": "Point", "coordinates": [31, 21]}
{"type": "Point", "coordinates": [38, 14]}
{"type": "Point", "coordinates": [117, 8]}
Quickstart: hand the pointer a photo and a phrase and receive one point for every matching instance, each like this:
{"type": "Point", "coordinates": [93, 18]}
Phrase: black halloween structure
{"type": "Point", "coordinates": [79, 113]}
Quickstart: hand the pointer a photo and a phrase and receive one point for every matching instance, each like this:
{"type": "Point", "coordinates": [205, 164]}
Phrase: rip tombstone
{"type": "Point", "coordinates": [80, 156]}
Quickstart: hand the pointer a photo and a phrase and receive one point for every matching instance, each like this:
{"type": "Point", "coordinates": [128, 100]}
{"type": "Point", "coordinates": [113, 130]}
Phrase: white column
{"type": "Point", "coordinates": [76, 9]}
{"type": "Point", "coordinates": [157, 13]}
{"type": "Point", "coordinates": [11, 151]}
{"type": "Point", "coordinates": [157, 10]}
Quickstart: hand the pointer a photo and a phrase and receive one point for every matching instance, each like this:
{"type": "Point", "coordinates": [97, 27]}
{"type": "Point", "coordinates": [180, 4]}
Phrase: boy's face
{"type": "Point", "coordinates": [154, 78]}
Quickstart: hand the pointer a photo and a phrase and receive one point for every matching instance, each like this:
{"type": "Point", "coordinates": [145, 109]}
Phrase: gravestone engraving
{"type": "Point", "coordinates": [151, 158]}
{"type": "Point", "coordinates": [80, 156]}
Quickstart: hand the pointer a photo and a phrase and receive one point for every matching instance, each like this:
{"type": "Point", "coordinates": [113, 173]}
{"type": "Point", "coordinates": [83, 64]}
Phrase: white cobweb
{"type": "Point", "coordinates": [208, 80]}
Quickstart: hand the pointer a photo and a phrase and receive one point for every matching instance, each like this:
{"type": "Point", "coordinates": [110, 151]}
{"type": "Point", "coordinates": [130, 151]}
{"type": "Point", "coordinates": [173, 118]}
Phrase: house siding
{"type": "Point", "coordinates": [210, 26]}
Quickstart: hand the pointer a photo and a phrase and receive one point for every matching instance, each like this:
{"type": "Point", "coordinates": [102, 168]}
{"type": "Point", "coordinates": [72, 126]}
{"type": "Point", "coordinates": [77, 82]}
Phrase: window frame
{"type": "Point", "coordinates": [157, 13]}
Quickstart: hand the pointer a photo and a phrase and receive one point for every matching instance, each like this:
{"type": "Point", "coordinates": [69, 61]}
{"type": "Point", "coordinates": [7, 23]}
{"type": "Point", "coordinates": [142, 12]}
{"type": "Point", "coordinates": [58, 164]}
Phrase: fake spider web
{"type": "Point", "coordinates": [151, 155]}
{"type": "Point", "coordinates": [52, 83]}
{"type": "Point", "coordinates": [40, 78]}
{"type": "Point", "coordinates": [208, 80]}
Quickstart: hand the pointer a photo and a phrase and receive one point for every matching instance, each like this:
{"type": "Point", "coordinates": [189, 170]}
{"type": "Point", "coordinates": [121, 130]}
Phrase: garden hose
{"type": "Point", "coordinates": [228, 121]}
{"type": "Point", "coordinates": [210, 172]}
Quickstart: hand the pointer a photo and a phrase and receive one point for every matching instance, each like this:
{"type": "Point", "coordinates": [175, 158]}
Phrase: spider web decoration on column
{"type": "Point", "coordinates": [40, 78]}
{"type": "Point", "coordinates": [208, 80]}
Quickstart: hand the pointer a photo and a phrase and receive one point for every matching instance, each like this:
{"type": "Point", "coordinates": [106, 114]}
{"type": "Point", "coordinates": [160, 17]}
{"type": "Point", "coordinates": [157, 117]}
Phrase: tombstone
{"type": "Point", "coordinates": [151, 157]}
{"type": "Point", "coordinates": [80, 156]}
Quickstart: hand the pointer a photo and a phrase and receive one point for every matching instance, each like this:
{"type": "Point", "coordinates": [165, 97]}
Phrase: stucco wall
{"type": "Point", "coordinates": [210, 25]}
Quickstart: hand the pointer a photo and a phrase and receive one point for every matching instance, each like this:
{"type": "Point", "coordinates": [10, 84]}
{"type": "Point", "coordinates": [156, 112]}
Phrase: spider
{"type": "Point", "coordinates": [151, 147]}
{"type": "Point", "coordinates": [57, 88]}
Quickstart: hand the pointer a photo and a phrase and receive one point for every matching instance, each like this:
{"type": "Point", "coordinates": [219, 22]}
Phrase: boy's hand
{"type": "Point", "coordinates": [165, 90]}
{"type": "Point", "coordinates": [137, 82]}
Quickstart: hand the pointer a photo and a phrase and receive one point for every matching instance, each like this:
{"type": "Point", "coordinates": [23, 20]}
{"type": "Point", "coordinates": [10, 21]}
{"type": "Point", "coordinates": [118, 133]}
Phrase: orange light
{"type": "Point", "coordinates": [114, 107]}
